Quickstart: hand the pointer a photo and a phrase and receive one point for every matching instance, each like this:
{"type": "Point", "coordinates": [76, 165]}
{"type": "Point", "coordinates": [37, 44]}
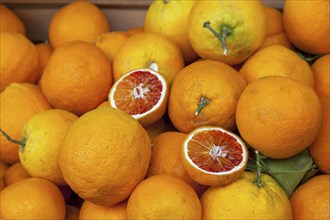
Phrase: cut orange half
{"type": "Point", "coordinates": [214, 156]}
{"type": "Point", "coordinates": [142, 93]}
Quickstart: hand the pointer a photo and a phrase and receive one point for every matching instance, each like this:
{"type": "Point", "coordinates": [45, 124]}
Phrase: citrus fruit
{"type": "Point", "coordinates": [166, 158]}
{"type": "Point", "coordinates": [134, 31]}
{"type": "Point", "coordinates": [14, 66]}
{"type": "Point", "coordinates": [77, 78]}
{"type": "Point", "coordinates": [2, 184]}
{"type": "Point", "coordinates": [243, 199]}
{"type": "Point", "coordinates": [205, 93]}
{"type": "Point", "coordinates": [32, 198]}
{"type": "Point", "coordinates": [89, 211]}
{"type": "Point", "coordinates": [228, 31]}
{"type": "Point", "coordinates": [44, 51]}
{"type": "Point", "coordinates": [157, 128]}
{"type": "Point", "coordinates": [3, 168]}
{"type": "Point", "coordinates": [15, 173]}
{"type": "Point", "coordinates": [311, 199]}
{"type": "Point", "coordinates": [278, 116]}
{"type": "Point", "coordinates": [277, 60]}
{"type": "Point", "coordinates": [321, 70]}
{"type": "Point", "coordinates": [105, 154]}
{"type": "Point", "coordinates": [170, 19]}
{"type": "Point", "coordinates": [148, 50]}
{"type": "Point", "coordinates": [110, 42]}
{"type": "Point", "coordinates": [275, 33]}
{"type": "Point", "coordinates": [9, 21]}
{"type": "Point", "coordinates": [307, 25]}
{"type": "Point", "coordinates": [163, 197]}
{"type": "Point", "coordinates": [142, 93]}
{"type": "Point", "coordinates": [78, 20]}
{"type": "Point", "coordinates": [214, 156]}
{"type": "Point", "coordinates": [19, 102]}
{"type": "Point", "coordinates": [320, 148]}
{"type": "Point", "coordinates": [42, 138]}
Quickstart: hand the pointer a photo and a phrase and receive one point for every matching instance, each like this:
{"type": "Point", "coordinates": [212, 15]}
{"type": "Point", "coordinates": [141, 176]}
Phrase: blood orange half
{"type": "Point", "coordinates": [142, 93]}
{"type": "Point", "coordinates": [214, 156]}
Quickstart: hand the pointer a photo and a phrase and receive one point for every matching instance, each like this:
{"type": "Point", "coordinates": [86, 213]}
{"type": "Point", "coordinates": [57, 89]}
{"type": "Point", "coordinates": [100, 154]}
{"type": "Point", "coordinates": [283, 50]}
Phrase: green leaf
{"type": "Point", "coordinates": [288, 172]}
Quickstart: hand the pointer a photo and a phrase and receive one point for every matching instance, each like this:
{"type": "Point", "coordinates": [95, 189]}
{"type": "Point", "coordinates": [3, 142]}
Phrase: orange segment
{"type": "Point", "coordinates": [214, 156]}
{"type": "Point", "coordinates": [142, 93]}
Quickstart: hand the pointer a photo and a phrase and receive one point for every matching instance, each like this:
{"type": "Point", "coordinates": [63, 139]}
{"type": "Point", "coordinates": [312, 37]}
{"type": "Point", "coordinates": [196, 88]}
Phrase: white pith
{"type": "Point", "coordinates": [215, 151]}
{"type": "Point", "coordinates": [139, 91]}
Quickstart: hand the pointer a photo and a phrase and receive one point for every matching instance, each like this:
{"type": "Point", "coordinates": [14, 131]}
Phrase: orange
{"type": "Point", "coordinates": [277, 60]}
{"type": "Point", "coordinates": [205, 93]}
{"type": "Point", "coordinates": [17, 66]}
{"type": "Point", "coordinates": [227, 31]}
{"type": "Point", "coordinates": [77, 78]}
{"type": "Point", "coordinates": [311, 199]}
{"type": "Point", "coordinates": [134, 31]}
{"type": "Point", "coordinates": [19, 102]}
{"type": "Point", "coordinates": [149, 50]}
{"type": "Point", "coordinates": [15, 173]}
{"type": "Point", "coordinates": [320, 148]}
{"type": "Point", "coordinates": [213, 156]}
{"type": "Point", "coordinates": [163, 197]}
{"type": "Point", "coordinates": [166, 158]}
{"type": "Point", "coordinates": [32, 198]}
{"type": "Point", "coordinates": [170, 18]}
{"type": "Point", "coordinates": [278, 116]}
{"type": "Point", "coordinates": [71, 212]}
{"type": "Point", "coordinates": [105, 154]}
{"type": "Point", "coordinates": [89, 211]}
{"type": "Point", "coordinates": [2, 184]}
{"type": "Point", "coordinates": [142, 93]}
{"type": "Point", "coordinates": [110, 42]}
{"type": "Point", "coordinates": [78, 20]}
{"type": "Point", "coordinates": [307, 25]}
{"type": "Point", "coordinates": [3, 168]}
{"type": "Point", "coordinates": [321, 70]}
{"type": "Point", "coordinates": [43, 136]}
{"type": "Point", "coordinates": [44, 52]}
{"type": "Point", "coordinates": [9, 21]}
{"type": "Point", "coordinates": [243, 199]}
{"type": "Point", "coordinates": [275, 33]}
{"type": "Point", "coordinates": [156, 128]}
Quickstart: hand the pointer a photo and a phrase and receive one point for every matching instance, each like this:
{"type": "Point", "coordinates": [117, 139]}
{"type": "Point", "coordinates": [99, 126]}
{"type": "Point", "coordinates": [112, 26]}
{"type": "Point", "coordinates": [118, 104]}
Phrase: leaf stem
{"type": "Point", "coordinates": [225, 31]}
{"type": "Point", "coordinates": [202, 103]}
{"type": "Point", "coordinates": [259, 168]}
{"type": "Point", "coordinates": [20, 142]}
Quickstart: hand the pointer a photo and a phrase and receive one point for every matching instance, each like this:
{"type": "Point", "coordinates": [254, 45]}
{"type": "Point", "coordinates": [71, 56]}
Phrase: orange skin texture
{"type": "Point", "coordinates": [175, 199]}
{"type": "Point", "coordinates": [143, 49]}
{"type": "Point", "coordinates": [320, 148]}
{"type": "Point", "coordinates": [19, 102]}
{"type": "Point", "coordinates": [77, 78]}
{"type": "Point", "coordinates": [243, 199]}
{"type": "Point", "coordinates": [171, 20]}
{"type": "Point", "coordinates": [246, 20]}
{"type": "Point", "coordinates": [321, 69]}
{"type": "Point", "coordinates": [110, 42]}
{"type": "Point", "coordinates": [311, 199]}
{"type": "Point", "coordinates": [14, 66]}
{"type": "Point", "coordinates": [15, 173]}
{"type": "Point", "coordinates": [307, 25]}
{"type": "Point", "coordinates": [166, 158]}
{"type": "Point", "coordinates": [32, 198]}
{"type": "Point", "coordinates": [275, 33]}
{"type": "Point", "coordinates": [44, 51]}
{"type": "Point", "coordinates": [278, 116]}
{"type": "Point", "coordinates": [9, 21]}
{"type": "Point", "coordinates": [69, 23]}
{"type": "Point", "coordinates": [277, 60]}
{"type": "Point", "coordinates": [89, 210]}
{"type": "Point", "coordinates": [218, 82]}
{"type": "Point", "coordinates": [100, 151]}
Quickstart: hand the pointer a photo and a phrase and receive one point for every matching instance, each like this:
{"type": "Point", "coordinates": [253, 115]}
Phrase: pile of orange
{"type": "Point", "coordinates": [161, 121]}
